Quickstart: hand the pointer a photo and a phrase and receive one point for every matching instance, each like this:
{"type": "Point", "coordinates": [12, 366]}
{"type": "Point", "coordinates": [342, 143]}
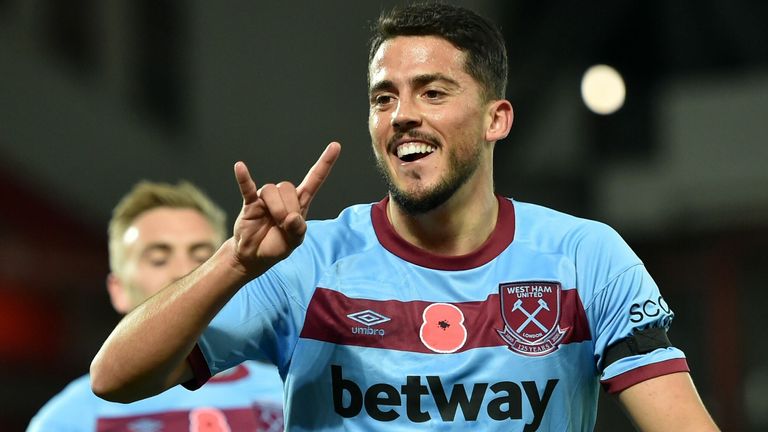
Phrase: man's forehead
{"type": "Point", "coordinates": [168, 244]}
{"type": "Point", "coordinates": [413, 52]}
{"type": "Point", "coordinates": [131, 235]}
{"type": "Point", "coordinates": [168, 225]}
{"type": "Point", "coordinates": [403, 59]}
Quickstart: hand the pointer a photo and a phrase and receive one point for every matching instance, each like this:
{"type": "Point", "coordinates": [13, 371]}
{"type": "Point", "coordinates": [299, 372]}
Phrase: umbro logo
{"type": "Point", "coordinates": [368, 318]}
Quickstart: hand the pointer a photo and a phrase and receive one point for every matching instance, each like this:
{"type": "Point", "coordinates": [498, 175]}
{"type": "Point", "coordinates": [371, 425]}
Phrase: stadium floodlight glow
{"type": "Point", "coordinates": [603, 89]}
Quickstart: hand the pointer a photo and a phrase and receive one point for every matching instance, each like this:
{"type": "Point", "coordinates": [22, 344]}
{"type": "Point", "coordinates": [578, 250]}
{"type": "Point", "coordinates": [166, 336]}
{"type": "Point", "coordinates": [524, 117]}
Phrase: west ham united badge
{"type": "Point", "coordinates": [531, 313]}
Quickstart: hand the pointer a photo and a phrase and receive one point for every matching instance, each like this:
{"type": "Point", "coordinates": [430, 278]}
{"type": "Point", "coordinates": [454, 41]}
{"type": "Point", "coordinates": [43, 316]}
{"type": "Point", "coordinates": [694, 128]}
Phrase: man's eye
{"type": "Point", "coordinates": [383, 99]}
{"type": "Point", "coordinates": [202, 255]}
{"type": "Point", "coordinates": [157, 258]}
{"type": "Point", "coordinates": [432, 94]}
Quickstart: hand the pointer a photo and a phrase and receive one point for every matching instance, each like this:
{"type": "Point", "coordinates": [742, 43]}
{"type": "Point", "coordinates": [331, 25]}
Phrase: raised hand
{"type": "Point", "coordinates": [272, 222]}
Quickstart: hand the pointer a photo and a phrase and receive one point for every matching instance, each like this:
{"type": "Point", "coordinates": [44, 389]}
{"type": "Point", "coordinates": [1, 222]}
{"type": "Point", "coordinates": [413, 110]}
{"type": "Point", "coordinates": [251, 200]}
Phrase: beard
{"type": "Point", "coordinates": [424, 199]}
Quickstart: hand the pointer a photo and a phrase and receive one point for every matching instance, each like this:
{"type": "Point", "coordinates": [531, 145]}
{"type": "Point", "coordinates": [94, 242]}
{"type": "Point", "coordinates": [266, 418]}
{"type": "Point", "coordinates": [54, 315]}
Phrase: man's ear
{"type": "Point", "coordinates": [501, 116]}
{"type": "Point", "coordinates": [118, 294]}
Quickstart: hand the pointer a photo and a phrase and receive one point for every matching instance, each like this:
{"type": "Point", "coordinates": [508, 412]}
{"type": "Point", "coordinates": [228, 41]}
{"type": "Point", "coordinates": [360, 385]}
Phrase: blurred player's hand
{"type": "Point", "coordinates": [272, 222]}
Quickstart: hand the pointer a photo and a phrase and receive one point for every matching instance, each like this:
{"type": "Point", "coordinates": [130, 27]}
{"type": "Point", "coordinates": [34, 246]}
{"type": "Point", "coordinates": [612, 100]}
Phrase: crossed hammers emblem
{"type": "Point", "coordinates": [531, 316]}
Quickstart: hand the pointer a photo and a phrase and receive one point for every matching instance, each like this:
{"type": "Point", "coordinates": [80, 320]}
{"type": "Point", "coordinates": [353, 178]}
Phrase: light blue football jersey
{"type": "Point", "coordinates": [245, 398]}
{"type": "Point", "coordinates": [372, 333]}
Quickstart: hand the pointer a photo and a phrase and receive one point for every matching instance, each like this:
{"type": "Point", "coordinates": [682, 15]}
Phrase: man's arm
{"type": "Point", "coordinates": [146, 353]}
{"type": "Point", "coordinates": [667, 403]}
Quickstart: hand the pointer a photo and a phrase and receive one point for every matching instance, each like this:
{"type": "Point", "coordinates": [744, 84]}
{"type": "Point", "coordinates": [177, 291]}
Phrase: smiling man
{"type": "Point", "coordinates": [444, 306]}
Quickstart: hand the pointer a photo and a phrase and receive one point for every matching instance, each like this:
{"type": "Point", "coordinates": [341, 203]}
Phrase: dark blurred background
{"type": "Point", "coordinates": [97, 95]}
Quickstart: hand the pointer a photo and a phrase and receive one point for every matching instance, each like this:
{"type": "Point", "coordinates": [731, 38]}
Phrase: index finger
{"type": "Point", "coordinates": [317, 175]}
{"type": "Point", "coordinates": [245, 183]}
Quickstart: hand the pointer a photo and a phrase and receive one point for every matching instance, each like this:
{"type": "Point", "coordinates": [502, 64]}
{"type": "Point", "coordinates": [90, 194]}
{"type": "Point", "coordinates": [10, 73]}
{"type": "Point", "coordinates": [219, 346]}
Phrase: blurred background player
{"type": "Point", "coordinates": [158, 233]}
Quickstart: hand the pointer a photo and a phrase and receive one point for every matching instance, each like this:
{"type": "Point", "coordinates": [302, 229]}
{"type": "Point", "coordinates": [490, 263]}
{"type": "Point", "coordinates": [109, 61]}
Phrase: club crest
{"type": "Point", "coordinates": [531, 314]}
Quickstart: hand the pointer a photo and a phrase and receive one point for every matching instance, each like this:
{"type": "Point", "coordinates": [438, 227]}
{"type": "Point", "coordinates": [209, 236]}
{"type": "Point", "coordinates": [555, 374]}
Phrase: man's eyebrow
{"type": "Point", "coordinates": [202, 245]}
{"type": "Point", "coordinates": [162, 247]}
{"type": "Point", "coordinates": [417, 81]}
{"type": "Point", "coordinates": [381, 86]}
{"type": "Point", "coordinates": [424, 79]}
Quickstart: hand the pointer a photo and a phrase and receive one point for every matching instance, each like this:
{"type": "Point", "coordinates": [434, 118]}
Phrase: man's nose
{"type": "Point", "coordinates": [406, 116]}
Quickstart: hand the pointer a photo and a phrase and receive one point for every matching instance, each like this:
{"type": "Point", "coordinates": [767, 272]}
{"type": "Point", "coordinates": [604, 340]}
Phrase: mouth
{"type": "Point", "coordinates": [410, 151]}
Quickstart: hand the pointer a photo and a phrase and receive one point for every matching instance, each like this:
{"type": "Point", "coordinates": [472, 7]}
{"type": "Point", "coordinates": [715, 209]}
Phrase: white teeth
{"type": "Point", "coordinates": [411, 148]}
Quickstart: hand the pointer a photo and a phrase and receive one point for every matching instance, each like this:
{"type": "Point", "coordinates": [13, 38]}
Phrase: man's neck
{"type": "Point", "coordinates": [457, 227]}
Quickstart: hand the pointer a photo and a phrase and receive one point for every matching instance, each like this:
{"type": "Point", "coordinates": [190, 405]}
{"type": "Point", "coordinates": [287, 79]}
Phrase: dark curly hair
{"type": "Point", "coordinates": [482, 42]}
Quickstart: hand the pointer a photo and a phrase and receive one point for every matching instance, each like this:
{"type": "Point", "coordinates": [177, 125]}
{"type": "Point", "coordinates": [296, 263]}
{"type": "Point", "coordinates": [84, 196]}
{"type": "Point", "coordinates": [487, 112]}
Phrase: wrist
{"type": "Point", "coordinates": [240, 271]}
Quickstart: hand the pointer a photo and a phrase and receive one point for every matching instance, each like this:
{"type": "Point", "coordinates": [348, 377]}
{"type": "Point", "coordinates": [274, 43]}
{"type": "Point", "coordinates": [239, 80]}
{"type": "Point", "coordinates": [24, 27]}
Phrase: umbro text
{"type": "Point", "coordinates": [368, 331]}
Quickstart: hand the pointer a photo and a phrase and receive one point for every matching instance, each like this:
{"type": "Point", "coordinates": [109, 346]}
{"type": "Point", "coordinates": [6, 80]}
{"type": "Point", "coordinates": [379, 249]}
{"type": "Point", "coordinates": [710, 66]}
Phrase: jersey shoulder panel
{"type": "Point", "coordinates": [72, 409]}
{"type": "Point", "coordinates": [326, 242]}
{"type": "Point", "coordinates": [597, 252]}
{"type": "Point", "coordinates": [549, 230]}
{"type": "Point", "coordinates": [273, 305]}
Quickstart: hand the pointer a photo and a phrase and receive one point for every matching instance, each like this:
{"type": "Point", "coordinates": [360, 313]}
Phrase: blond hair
{"type": "Point", "coordinates": [145, 196]}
